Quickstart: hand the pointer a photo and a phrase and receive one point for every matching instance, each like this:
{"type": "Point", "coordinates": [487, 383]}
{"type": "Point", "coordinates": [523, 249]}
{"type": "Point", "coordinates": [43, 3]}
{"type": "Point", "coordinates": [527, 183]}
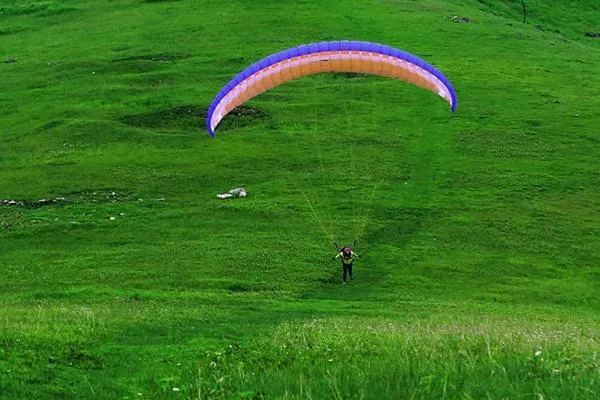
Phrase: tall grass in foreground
{"type": "Point", "coordinates": [348, 359]}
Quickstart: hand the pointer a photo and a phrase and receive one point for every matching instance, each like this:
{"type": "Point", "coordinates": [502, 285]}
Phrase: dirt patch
{"type": "Point", "coordinates": [33, 204]}
{"type": "Point", "coordinates": [192, 117]}
{"type": "Point", "coordinates": [99, 196]}
{"type": "Point", "coordinates": [34, 8]}
{"type": "Point", "coordinates": [460, 19]}
{"type": "Point", "coordinates": [187, 116]}
{"type": "Point", "coordinates": [160, 57]}
{"type": "Point", "coordinates": [242, 116]}
{"type": "Point", "coordinates": [84, 196]}
{"type": "Point", "coordinates": [51, 125]}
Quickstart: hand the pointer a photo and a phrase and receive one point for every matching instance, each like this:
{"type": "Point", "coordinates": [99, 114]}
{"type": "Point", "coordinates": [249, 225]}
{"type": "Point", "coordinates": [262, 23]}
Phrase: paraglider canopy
{"type": "Point", "coordinates": [315, 58]}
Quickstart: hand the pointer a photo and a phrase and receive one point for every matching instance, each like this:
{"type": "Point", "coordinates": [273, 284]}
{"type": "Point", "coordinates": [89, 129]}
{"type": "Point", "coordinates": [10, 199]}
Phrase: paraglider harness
{"type": "Point", "coordinates": [346, 254]}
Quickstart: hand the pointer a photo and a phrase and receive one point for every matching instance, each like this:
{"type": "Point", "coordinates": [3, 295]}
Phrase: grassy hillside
{"type": "Point", "coordinates": [125, 277]}
{"type": "Point", "coordinates": [571, 19]}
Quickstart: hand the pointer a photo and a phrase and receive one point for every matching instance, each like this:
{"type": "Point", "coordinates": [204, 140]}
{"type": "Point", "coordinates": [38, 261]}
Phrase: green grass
{"type": "Point", "coordinates": [355, 359]}
{"type": "Point", "coordinates": [478, 230]}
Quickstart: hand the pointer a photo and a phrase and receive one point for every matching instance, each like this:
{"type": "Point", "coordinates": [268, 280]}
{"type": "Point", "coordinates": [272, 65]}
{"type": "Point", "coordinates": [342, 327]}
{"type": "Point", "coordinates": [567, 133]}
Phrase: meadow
{"type": "Point", "coordinates": [124, 277]}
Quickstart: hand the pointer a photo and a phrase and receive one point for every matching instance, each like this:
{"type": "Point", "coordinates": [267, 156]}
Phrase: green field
{"type": "Point", "coordinates": [124, 277]}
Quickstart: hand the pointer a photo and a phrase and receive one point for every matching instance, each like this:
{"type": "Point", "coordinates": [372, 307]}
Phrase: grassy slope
{"type": "Point", "coordinates": [482, 220]}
